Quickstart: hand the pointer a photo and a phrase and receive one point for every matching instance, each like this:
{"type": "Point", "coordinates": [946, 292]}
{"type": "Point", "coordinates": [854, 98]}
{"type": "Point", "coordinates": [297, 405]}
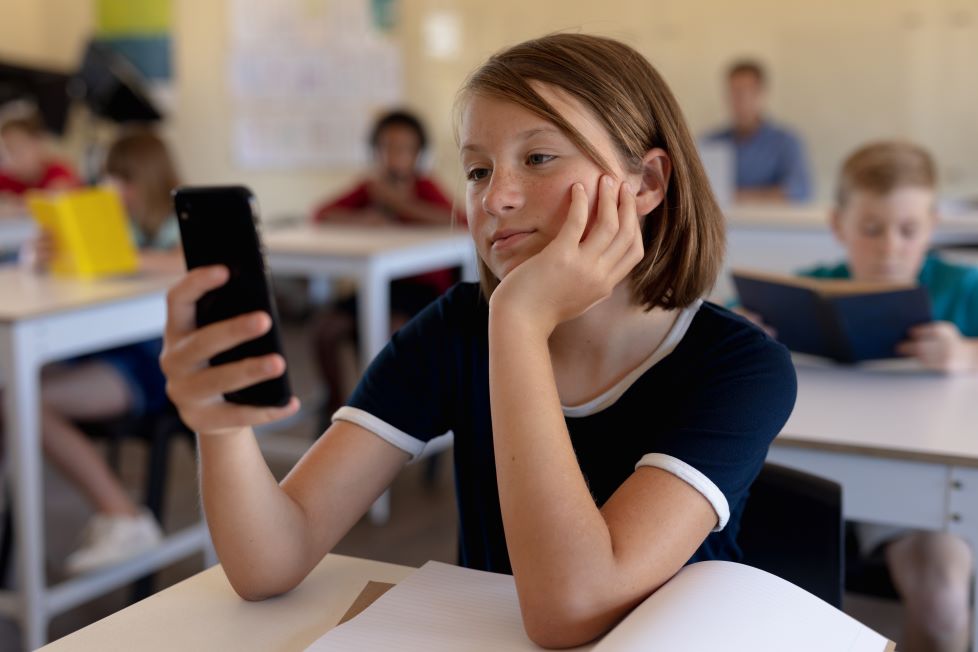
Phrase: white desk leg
{"type": "Point", "coordinates": [375, 328]}
{"type": "Point", "coordinates": [963, 521]}
{"type": "Point", "coordinates": [22, 425]}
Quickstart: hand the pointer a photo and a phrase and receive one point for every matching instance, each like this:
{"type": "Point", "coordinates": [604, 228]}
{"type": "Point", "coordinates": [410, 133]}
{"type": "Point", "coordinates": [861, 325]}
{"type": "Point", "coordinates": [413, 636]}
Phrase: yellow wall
{"type": "Point", "coordinates": [842, 71]}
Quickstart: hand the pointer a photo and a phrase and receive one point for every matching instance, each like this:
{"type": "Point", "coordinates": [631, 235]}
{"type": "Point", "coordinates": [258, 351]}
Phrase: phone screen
{"type": "Point", "coordinates": [218, 226]}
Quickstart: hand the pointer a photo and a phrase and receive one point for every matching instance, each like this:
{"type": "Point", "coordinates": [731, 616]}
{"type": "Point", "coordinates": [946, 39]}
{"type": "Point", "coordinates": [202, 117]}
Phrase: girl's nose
{"type": "Point", "coordinates": [503, 195]}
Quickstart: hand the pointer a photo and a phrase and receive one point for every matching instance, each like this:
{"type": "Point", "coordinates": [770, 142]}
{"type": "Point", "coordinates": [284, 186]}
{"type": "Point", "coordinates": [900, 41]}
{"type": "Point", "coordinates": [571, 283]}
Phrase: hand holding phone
{"type": "Point", "coordinates": [219, 226]}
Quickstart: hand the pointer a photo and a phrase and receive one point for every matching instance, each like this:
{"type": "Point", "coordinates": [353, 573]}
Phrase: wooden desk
{"type": "Point", "coordinates": [43, 319]}
{"type": "Point", "coordinates": [902, 443]}
{"type": "Point", "coordinates": [204, 613]}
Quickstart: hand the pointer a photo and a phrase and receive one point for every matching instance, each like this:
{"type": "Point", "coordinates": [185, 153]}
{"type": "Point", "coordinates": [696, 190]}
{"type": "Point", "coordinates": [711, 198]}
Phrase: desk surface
{"type": "Point", "coordinates": [816, 217]}
{"type": "Point", "coordinates": [204, 613]}
{"type": "Point", "coordinates": [890, 410]}
{"type": "Point", "coordinates": [24, 295]}
{"type": "Point", "coordinates": [343, 240]}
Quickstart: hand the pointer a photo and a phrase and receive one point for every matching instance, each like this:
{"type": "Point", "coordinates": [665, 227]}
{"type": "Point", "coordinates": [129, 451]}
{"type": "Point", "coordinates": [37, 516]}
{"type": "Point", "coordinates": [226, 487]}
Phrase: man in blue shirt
{"type": "Point", "coordinates": [770, 159]}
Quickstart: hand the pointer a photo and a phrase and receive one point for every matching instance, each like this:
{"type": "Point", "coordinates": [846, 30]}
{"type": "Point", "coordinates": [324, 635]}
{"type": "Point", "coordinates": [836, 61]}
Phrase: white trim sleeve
{"type": "Point", "coordinates": [410, 445]}
{"type": "Point", "coordinates": [693, 478]}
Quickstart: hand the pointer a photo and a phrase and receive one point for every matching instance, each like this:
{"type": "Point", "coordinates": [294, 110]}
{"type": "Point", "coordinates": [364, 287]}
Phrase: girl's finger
{"type": "Point", "coordinates": [222, 416]}
{"type": "Point", "coordinates": [181, 300]}
{"type": "Point", "coordinates": [211, 383]}
{"type": "Point", "coordinates": [605, 225]}
{"type": "Point", "coordinates": [194, 350]}
{"type": "Point", "coordinates": [573, 229]}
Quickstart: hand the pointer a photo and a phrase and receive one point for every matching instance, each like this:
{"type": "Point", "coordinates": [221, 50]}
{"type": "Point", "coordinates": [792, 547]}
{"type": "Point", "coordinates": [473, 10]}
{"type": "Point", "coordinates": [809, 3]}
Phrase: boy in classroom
{"type": "Point", "coordinates": [26, 162]}
{"type": "Point", "coordinates": [394, 192]}
{"type": "Point", "coordinates": [885, 215]}
{"type": "Point", "coordinates": [120, 381]}
{"type": "Point", "coordinates": [608, 422]}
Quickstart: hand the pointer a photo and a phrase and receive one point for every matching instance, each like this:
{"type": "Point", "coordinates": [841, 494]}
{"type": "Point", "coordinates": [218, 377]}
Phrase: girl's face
{"type": "Point", "coordinates": [519, 170]}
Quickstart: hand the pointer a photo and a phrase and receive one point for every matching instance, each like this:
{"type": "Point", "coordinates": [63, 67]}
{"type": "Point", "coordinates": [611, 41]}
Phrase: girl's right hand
{"type": "Point", "coordinates": [195, 387]}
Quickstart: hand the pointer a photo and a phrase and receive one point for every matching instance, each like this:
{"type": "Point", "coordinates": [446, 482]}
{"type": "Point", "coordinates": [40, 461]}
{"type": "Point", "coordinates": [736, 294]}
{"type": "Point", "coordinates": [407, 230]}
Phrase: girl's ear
{"type": "Point", "coordinates": [656, 170]}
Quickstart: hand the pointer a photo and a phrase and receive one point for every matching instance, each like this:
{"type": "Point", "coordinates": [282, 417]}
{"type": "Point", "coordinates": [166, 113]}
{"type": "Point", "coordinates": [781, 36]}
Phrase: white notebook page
{"type": "Point", "coordinates": [438, 608]}
{"type": "Point", "coordinates": [718, 605]}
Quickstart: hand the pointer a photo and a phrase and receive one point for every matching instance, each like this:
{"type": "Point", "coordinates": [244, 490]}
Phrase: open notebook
{"type": "Point", "coordinates": [706, 607]}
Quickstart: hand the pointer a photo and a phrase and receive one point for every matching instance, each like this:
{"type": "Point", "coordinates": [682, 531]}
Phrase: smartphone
{"type": "Point", "coordinates": [219, 226]}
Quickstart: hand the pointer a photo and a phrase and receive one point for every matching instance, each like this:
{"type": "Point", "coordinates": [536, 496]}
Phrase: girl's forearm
{"type": "Point", "coordinates": [559, 544]}
{"type": "Point", "coordinates": [259, 532]}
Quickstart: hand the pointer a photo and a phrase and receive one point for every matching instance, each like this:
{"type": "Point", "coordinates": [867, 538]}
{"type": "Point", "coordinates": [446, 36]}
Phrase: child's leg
{"type": "Point", "coordinates": [932, 573]}
{"type": "Point", "coordinates": [88, 391]}
{"type": "Point", "coordinates": [332, 337]}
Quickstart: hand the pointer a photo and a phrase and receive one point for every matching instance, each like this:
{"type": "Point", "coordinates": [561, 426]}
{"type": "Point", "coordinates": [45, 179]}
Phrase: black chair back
{"type": "Point", "coordinates": [792, 527]}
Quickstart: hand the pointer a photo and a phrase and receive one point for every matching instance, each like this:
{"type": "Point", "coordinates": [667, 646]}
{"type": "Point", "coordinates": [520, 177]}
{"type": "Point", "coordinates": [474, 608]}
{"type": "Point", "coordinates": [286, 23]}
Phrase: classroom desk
{"type": "Point", "coordinates": [790, 237]}
{"type": "Point", "coordinates": [903, 443]}
{"type": "Point", "coordinates": [204, 613]}
{"type": "Point", "coordinates": [43, 319]}
{"type": "Point", "coordinates": [372, 257]}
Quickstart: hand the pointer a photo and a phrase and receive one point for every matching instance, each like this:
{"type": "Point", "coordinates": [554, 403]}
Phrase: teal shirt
{"type": "Point", "coordinates": [953, 290]}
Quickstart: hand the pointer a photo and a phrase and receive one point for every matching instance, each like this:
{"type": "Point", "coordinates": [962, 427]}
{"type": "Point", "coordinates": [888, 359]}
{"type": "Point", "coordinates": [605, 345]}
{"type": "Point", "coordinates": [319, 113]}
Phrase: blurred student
{"type": "Point", "coordinates": [885, 216]}
{"type": "Point", "coordinates": [26, 162]}
{"type": "Point", "coordinates": [394, 191]}
{"type": "Point", "coordinates": [122, 381]}
{"type": "Point", "coordinates": [770, 159]}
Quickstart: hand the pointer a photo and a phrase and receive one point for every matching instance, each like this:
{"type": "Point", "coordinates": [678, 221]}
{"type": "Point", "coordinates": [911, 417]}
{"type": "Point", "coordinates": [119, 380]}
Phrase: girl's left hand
{"type": "Point", "coordinates": [574, 272]}
{"type": "Point", "coordinates": [940, 346]}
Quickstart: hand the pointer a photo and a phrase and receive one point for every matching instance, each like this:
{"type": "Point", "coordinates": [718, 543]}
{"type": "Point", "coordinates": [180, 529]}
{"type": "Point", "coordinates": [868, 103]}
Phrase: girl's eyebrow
{"type": "Point", "coordinates": [523, 135]}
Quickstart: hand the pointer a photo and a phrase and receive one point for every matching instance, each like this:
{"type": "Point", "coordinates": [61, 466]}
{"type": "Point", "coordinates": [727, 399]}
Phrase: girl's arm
{"type": "Point", "coordinates": [578, 569]}
{"type": "Point", "coordinates": [268, 536]}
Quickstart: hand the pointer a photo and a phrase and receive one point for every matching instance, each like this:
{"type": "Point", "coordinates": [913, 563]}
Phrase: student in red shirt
{"type": "Point", "coordinates": [25, 161]}
{"type": "Point", "coordinates": [393, 192]}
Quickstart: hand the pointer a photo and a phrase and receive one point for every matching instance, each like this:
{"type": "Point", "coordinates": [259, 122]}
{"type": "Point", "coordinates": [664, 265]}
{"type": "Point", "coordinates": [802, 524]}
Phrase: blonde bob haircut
{"type": "Point", "coordinates": [684, 235]}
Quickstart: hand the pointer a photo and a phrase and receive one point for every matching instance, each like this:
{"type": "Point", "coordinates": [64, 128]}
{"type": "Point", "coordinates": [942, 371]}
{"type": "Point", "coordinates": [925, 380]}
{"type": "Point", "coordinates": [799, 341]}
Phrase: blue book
{"type": "Point", "coordinates": [847, 321]}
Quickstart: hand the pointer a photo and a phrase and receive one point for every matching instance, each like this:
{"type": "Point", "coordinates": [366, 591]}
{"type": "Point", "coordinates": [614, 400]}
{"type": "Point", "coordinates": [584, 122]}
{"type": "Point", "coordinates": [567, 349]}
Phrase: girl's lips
{"type": "Point", "coordinates": [510, 240]}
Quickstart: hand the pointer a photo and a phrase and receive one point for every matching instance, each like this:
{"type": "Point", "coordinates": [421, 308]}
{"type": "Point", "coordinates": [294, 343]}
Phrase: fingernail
{"type": "Point", "coordinates": [608, 181]}
{"type": "Point", "coordinates": [627, 187]}
{"type": "Point", "coordinates": [578, 186]}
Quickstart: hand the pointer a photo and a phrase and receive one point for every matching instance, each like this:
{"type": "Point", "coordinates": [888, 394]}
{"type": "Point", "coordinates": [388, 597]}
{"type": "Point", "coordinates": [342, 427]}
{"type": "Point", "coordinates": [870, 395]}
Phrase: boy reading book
{"type": "Point", "coordinates": [884, 218]}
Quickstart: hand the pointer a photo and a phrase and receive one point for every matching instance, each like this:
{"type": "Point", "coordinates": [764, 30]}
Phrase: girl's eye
{"type": "Point", "coordinates": [477, 174]}
{"type": "Point", "coordinates": [539, 159]}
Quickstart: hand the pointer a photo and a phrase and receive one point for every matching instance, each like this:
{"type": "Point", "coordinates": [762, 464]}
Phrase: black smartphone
{"type": "Point", "coordinates": [219, 226]}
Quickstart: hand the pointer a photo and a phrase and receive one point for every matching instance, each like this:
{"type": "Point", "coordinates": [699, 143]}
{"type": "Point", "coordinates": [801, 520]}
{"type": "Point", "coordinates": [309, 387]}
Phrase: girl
{"type": "Point", "coordinates": [607, 422]}
{"type": "Point", "coordinates": [125, 380]}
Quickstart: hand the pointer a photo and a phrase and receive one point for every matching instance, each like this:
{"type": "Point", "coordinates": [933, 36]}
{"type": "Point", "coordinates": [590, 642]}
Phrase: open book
{"type": "Point", "coordinates": [90, 230]}
{"type": "Point", "coordinates": [706, 607]}
{"type": "Point", "coordinates": [847, 321]}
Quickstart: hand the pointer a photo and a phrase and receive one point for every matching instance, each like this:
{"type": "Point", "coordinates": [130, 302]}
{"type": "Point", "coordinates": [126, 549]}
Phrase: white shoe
{"type": "Point", "coordinates": [109, 539]}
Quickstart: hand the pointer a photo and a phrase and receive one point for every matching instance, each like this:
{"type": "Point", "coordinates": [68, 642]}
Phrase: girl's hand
{"type": "Point", "coordinates": [575, 271]}
{"type": "Point", "coordinates": [196, 388]}
{"type": "Point", "coordinates": [941, 347]}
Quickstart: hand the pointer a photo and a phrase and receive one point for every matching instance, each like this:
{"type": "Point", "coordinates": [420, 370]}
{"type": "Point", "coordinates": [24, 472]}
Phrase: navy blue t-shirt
{"type": "Point", "coordinates": [707, 411]}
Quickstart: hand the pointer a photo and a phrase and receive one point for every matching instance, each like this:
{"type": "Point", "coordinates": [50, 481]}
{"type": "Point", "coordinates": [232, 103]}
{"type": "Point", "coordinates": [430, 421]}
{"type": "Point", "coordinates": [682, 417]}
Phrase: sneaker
{"type": "Point", "coordinates": [109, 539]}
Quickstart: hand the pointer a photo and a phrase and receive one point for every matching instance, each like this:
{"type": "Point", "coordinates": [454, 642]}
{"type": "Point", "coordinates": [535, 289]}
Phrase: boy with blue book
{"type": "Point", "coordinates": [885, 217]}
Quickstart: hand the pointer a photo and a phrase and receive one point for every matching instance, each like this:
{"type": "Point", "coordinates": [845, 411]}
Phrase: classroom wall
{"type": "Point", "coordinates": [842, 71]}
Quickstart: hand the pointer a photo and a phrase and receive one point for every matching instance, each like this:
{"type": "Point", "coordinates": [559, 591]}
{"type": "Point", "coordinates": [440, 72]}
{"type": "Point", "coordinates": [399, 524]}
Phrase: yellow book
{"type": "Point", "coordinates": [90, 230]}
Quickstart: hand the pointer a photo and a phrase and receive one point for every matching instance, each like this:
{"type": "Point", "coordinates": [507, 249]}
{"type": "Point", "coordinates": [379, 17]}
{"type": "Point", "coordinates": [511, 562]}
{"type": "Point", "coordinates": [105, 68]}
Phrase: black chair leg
{"type": "Point", "coordinates": [155, 493]}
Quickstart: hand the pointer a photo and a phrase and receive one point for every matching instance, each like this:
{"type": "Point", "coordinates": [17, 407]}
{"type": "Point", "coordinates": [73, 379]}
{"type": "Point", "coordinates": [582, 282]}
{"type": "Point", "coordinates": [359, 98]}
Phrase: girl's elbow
{"type": "Point", "coordinates": [557, 625]}
{"type": "Point", "coordinates": [258, 587]}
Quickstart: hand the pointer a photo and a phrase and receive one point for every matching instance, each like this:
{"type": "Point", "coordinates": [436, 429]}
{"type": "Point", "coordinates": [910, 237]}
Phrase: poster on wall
{"type": "Point", "coordinates": [306, 79]}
